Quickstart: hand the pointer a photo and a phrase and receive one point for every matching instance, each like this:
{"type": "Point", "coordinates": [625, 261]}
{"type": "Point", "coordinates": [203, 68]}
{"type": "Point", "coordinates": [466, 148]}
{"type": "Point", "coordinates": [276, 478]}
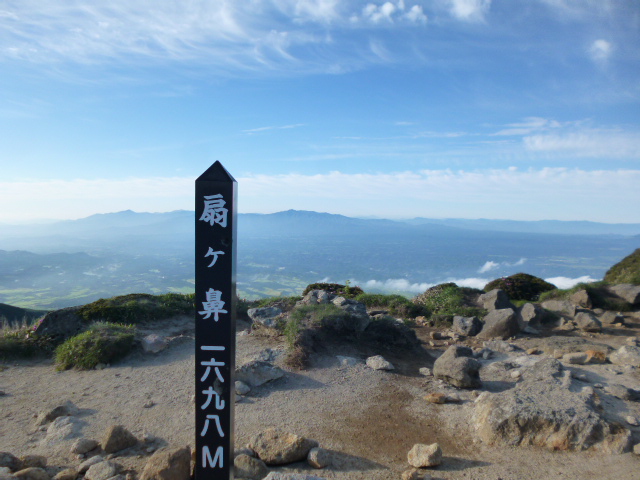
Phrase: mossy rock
{"type": "Point", "coordinates": [521, 286]}
{"type": "Point", "coordinates": [626, 270]}
{"type": "Point", "coordinates": [450, 299]}
{"type": "Point", "coordinates": [138, 307]}
{"type": "Point", "coordinates": [346, 291]}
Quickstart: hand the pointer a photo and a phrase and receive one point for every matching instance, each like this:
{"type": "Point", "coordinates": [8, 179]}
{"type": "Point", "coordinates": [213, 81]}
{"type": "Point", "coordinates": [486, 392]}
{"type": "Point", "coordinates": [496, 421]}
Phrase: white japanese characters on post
{"type": "Point", "coordinates": [215, 322]}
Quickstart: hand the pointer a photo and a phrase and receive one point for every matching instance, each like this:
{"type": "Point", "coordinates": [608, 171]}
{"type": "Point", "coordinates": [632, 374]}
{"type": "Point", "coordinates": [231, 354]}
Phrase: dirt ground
{"type": "Point", "coordinates": [369, 419]}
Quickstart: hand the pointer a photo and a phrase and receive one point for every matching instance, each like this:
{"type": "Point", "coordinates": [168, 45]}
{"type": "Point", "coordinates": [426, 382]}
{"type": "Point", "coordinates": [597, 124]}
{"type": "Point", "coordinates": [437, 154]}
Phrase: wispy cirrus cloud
{"type": "Point", "coordinates": [280, 127]}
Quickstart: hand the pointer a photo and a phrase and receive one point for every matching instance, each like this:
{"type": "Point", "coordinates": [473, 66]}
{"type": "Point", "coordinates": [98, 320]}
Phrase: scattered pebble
{"type": "Point", "coordinates": [631, 420]}
{"type": "Point", "coordinates": [149, 404]}
{"type": "Point", "coordinates": [436, 398]}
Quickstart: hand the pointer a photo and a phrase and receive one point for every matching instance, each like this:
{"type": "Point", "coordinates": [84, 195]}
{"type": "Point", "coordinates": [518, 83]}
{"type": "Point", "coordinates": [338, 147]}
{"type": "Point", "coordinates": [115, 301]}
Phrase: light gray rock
{"type": "Point", "coordinates": [576, 358]}
{"type": "Point", "coordinates": [84, 466]}
{"type": "Point", "coordinates": [457, 367]}
{"type": "Point", "coordinates": [425, 371]}
{"type": "Point", "coordinates": [278, 447]}
{"type": "Point", "coordinates": [319, 457]}
{"type": "Point", "coordinates": [83, 445]}
{"type": "Point", "coordinates": [495, 299]}
{"type": "Point", "coordinates": [242, 388]}
{"type": "Point", "coordinates": [33, 461]}
{"type": "Point", "coordinates": [531, 315]}
{"type": "Point", "coordinates": [636, 449]}
{"type": "Point", "coordinates": [587, 322]}
{"type": "Point", "coordinates": [103, 470]}
{"type": "Point", "coordinates": [541, 410]}
{"type": "Point", "coordinates": [172, 464]}
{"type": "Point", "coordinates": [468, 326]}
{"type": "Point", "coordinates": [256, 373]}
{"type": "Point", "coordinates": [626, 355]}
{"type": "Point", "coordinates": [267, 316]}
{"type": "Point", "coordinates": [154, 343]}
{"type": "Point", "coordinates": [500, 323]}
{"type": "Point", "coordinates": [65, 410]}
{"type": "Point", "coordinates": [117, 438]}
{"type": "Point", "coordinates": [250, 468]}
{"type": "Point", "coordinates": [499, 346]}
{"type": "Point", "coordinates": [581, 299]}
{"type": "Point", "coordinates": [66, 474]}
{"type": "Point", "coordinates": [5, 472]}
{"type": "Point", "coordinates": [561, 307]}
{"type": "Point", "coordinates": [378, 362]}
{"type": "Point", "coordinates": [611, 318]}
{"type": "Point", "coordinates": [316, 297]}
{"type": "Point", "coordinates": [62, 429]}
{"type": "Point", "coordinates": [629, 293]}
{"type": "Point", "coordinates": [415, 474]}
{"type": "Point", "coordinates": [424, 456]}
{"type": "Point", "coordinates": [32, 473]}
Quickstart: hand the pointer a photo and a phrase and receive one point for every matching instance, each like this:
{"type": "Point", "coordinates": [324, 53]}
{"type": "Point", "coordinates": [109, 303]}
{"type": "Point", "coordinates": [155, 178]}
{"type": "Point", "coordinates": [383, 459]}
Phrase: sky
{"type": "Point", "coordinates": [501, 109]}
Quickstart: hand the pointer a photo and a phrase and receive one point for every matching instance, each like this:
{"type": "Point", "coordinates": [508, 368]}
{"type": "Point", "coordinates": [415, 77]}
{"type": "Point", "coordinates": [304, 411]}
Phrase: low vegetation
{"type": "Point", "coordinates": [20, 342]}
{"type": "Point", "coordinates": [521, 286]}
{"type": "Point", "coordinates": [396, 305]}
{"type": "Point", "coordinates": [626, 270]}
{"type": "Point", "coordinates": [138, 307]}
{"type": "Point", "coordinates": [101, 343]}
{"type": "Point", "coordinates": [448, 299]}
{"type": "Point", "coordinates": [346, 291]}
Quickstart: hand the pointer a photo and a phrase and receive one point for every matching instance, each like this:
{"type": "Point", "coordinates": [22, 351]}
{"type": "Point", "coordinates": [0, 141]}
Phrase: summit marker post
{"type": "Point", "coordinates": [215, 250]}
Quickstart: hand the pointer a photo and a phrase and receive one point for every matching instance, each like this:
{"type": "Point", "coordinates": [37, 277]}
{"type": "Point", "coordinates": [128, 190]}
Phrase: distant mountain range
{"type": "Point", "coordinates": [73, 262]}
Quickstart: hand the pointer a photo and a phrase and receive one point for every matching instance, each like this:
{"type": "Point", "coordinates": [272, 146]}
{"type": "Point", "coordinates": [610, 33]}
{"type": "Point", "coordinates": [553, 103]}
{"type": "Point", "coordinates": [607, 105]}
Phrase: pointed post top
{"type": "Point", "coordinates": [216, 173]}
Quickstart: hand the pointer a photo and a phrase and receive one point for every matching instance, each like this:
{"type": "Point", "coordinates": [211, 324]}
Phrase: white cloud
{"type": "Point", "coordinates": [600, 50]}
{"type": "Point", "coordinates": [488, 266]}
{"type": "Point", "coordinates": [528, 125]}
{"type": "Point", "coordinates": [387, 12]}
{"type": "Point", "coordinates": [566, 282]}
{"type": "Point", "coordinates": [405, 286]}
{"type": "Point", "coordinates": [264, 129]}
{"type": "Point", "coordinates": [469, 10]}
{"type": "Point", "coordinates": [587, 143]}
{"type": "Point", "coordinates": [416, 15]}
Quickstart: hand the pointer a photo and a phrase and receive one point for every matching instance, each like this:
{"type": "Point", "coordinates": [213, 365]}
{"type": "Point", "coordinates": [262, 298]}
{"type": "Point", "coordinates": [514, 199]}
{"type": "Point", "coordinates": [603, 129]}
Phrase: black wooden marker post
{"type": "Point", "coordinates": [215, 322]}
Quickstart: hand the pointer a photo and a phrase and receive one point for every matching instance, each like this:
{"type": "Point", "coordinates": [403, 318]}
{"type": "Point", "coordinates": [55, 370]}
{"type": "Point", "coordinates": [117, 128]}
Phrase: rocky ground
{"type": "Point", "coordinates": [367, 419]}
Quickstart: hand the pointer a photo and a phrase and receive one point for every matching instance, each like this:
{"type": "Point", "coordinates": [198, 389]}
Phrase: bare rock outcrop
{"type": "Point", "coordinates": [501, 323]}
{"type": "Point", "coordinates": [457, 367]}
{"type": "Point", "coordinates": [495, 299]}
{"type": "Point", "coordinates": [173, 464]}
{"type": "Point", "coordinates": [277, 447]}
{"type": "Point", "coordinates": [541, 410]}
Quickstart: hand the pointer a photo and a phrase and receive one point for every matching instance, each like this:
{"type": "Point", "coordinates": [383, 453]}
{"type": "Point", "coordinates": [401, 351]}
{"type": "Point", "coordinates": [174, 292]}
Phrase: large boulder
{"type": "Point", "coordinates": [245, 466]}
{"type": "Point", "coordinates": [257, 372]}
{"type": "Point", "coordinates": [10, 461]}
{"type": "Point", "coordinates": [629, 293]}
{"type": "Point", "coordinates": [626, 355]}
{"type": "Point", "coordinates": [587, 322]}
{"type": "Point", "coordinates": [581, 298]}
{"type": "Point", "coordinates": [560, 307]}
{"type": "Point", "coordinates": [421, 455]}
{"type": "Point", "coordinates": [496, 299]}
{"type": "Point", "coordinates": [531, 315]}
{"type": "Point", "coordinates": [501, 323]}
{"type": "Point", "coordinates": [117, 438]}
{"type": "Point", "coordinates": [457, 367]}
{"type": "Point", "coordinates": [61, 323]}
{"type": "Point", "coordinates": [267, 316]}
{"type": "Point", "coordinates": [277, 447]}
{"type": "Point", "coordinates": [542, 410]}
{"type": "Point", "coordinates": [611, 318]}
{"type": "Point", "coordinates": [468, 326]}
{"type": "Point", "coordinates": [173, 464]}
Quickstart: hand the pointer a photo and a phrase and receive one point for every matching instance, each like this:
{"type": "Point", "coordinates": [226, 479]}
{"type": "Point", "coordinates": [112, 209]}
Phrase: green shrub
{"type": "Point", "coordinates": [520, 286]}
{"type": "Point", "coordinates": [22, 343]}
{"type": "Point", "coordinates": [450, 299]}
{"type": "Point", "coordinates": [138, 307]}
{"type": "Point", "coordinates": [396, 305]}
{"type": "Point", "coordinates": [346, 291]}
{"type": "Point", "coordinates": [101, 343]}
{"type": "Point", "coordinates": [626, 270]}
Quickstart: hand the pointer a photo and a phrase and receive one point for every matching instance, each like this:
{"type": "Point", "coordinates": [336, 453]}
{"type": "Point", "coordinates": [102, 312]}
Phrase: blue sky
{"type": "Point", "coordinates": [511, 109]}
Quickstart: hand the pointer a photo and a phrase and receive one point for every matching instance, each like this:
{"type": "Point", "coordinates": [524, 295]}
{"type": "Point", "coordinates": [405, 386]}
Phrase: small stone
{"type": "Point", "coordinates": [378, 362]}
{"type": "Point", "coordinates": [631, 420]}
{"type": "Point", "coordinates": [636, 449]}
{"type": "Point", "coordinates": [438, 398]}
{"type": "Point", "coordinates": [154, 343]}
{"type": "Point", "coordinates": [65, 410]}
{"type": "Point", "coordinates": [347, 361]}
{"type": "Point", "coordinates": [319, 457]}
{"type": "Point", "coordinates": [242, 388]}
{"type": "Point", "coordinates": [278, 447]}
{"type": "Point", "coordinates": [84, 466]}
{"type": "Point", "coordinates": [33, 461]}
{"type": "Point", "coordinates": [533, 351]}
{"type": "Point", "coordinates": [422, 455]}
{"type": "Point", "coordinates": [10, 461]}
{"type": "Point", "coordinates": [83, 445]}
{"type": "Point", "coordinates": [250, 468]}
{"type": "Point", "coordinates": [66, 474]}
{"type": "Point", "coordinates": [117, 438]}
{"type": "Point", "coordinates": [32, 474]}
{"type": "Point", "coordinates": [173, 464]}
{"type": "Point", "coordinates": [415, 474]}
{"type": "Point", "coordinates": [5, 472]}
{"type": "Point", "coordinates": [244, 451]}
{"type": "Point", "coordinates": [102, 470]}
{"type": "Point", "coordinates": [424, 371]}
{"type": "Point", "coordinates": [515, 374]}
{"type": "Point", "coordinates": [632, 341]}
{"type": "Point", "coordinates": [149, 404]}
{"type": "Point", "coordinates": [595, 356]}
{"type": "Point", "coordinates": [575, 358]}
{"type": "Point", "coordinates": [193, 399]}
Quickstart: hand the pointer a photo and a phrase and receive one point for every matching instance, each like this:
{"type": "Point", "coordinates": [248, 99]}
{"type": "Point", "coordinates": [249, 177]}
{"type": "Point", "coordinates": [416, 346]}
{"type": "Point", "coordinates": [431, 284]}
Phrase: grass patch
{"type": "Point", "coordinates": [22, 343]}
{"type": "Point", "coordinates": [396, 305]}
{"type": "Point", "coordinates": [450, 299]}
{"type": "Point", "coordinates": [346, 291]}
{"type": "Point", "coordinates": [138, 307]}
{"type": "Point", "coordinates": [626, 270]}
{"type": "Point", "coordinates": [102, 343]}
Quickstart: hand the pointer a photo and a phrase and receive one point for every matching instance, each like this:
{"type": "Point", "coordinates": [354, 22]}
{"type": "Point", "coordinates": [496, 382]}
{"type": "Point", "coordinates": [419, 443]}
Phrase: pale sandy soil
{"type": "Point", "coordinates": [370, 419]}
